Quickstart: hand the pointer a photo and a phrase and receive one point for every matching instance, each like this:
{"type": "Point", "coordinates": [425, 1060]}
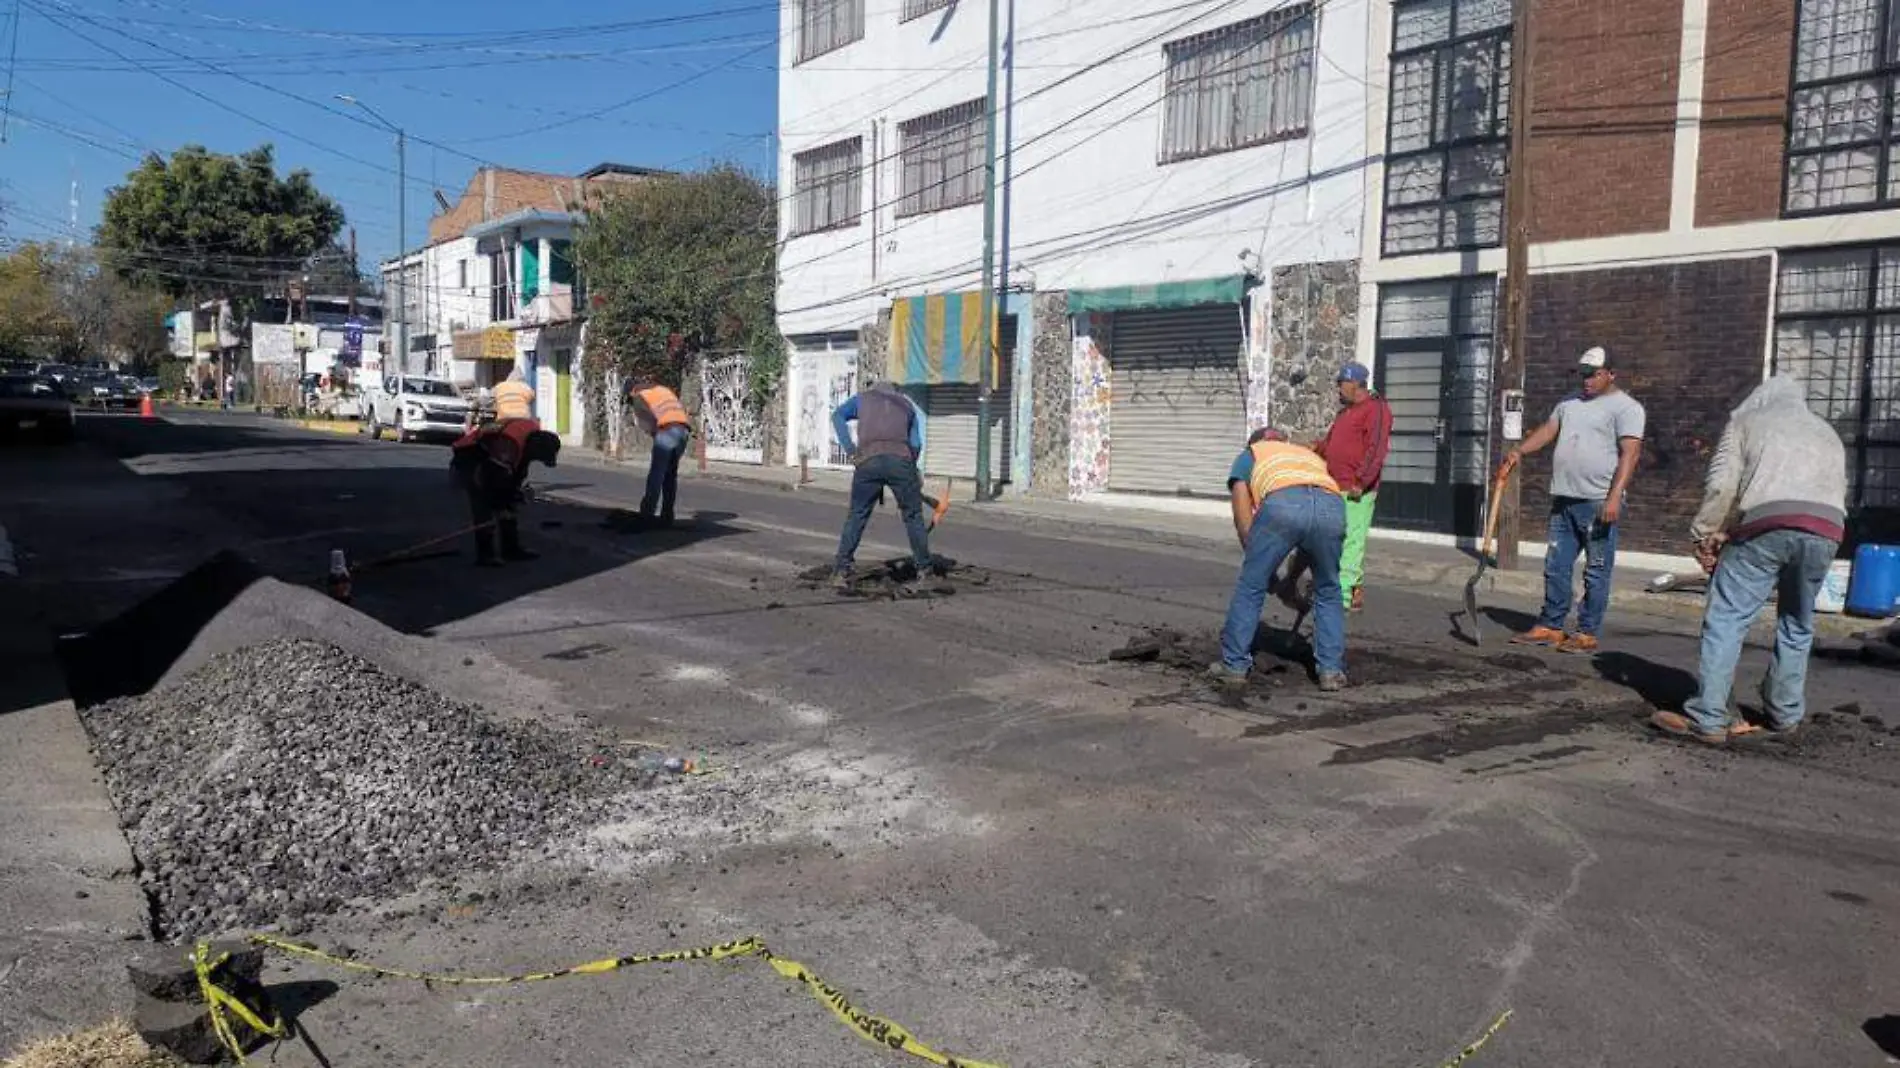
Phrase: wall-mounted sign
{"type": "Point", "coordinates": [498, 343]}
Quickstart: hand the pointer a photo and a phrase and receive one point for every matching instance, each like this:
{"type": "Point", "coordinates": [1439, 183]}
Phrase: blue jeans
{"type": "Point", "coordinates": [663, 474]}
{"type": "Point", "coordinates": [1573, 529]}
{"type": "Point", "coordinates": [875, 474]}
{"type": "Point", "coordinates": [1791, 564]}
{"type": "Point", "coordinates": [1313, 521]}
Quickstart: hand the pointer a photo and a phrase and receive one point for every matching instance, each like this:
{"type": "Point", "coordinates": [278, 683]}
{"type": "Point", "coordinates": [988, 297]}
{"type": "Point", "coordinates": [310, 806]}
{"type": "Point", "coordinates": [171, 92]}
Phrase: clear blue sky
{"type": "Point", "coordinates": [513, 84]}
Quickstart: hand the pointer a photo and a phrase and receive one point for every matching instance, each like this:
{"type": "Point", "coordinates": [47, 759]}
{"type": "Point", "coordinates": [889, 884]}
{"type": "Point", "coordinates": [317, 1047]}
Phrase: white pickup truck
{"type": "Point", "coordinates": [414, 406]}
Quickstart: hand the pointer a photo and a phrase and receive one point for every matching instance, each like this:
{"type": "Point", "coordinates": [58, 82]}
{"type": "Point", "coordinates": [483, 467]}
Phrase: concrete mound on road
{"type": "Point", "coordinates": [227, 603]}
{"type": "Point", "coordinates": [283, 780]}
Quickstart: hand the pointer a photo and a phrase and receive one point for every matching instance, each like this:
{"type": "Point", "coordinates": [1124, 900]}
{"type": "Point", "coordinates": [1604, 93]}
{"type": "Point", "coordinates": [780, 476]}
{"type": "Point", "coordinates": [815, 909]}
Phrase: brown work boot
{"type": "Point", "coordinates": [1540, 635]}
{"type": "Point", "coordinates": [1358, 602]}
{"type": "Point", "coordinates": [1578, 645]}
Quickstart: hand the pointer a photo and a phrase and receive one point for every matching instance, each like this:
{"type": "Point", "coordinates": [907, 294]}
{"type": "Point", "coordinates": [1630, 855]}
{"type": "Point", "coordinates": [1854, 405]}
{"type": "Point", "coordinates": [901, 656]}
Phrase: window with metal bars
{"type": "Point", "coordinates": [1448, 130]}
{"type": "Point", "coordinates": [1837, 327]}
{"type": "Point", "coordinates": [1841, 141]}
{"type": "Point", "coordinates": [828, 25]}
{"type": "Point", "coordinates": [1247, 84]}
{"type": "Point", "coordinates": [940, 159]}
{"type": "Point", "coordinates": [827, 187]}
{"type": "Point", "coordinates": [916, 9]}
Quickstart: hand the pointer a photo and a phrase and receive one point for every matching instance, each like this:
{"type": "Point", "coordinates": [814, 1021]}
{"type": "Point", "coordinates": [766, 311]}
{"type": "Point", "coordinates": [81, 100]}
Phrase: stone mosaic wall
{"type": "Point", "coordinates": [1315, 331]}
{"type": "Point", "coordinates": [1088, 416]}
{"type": "Point", "coordinates": [1259, 357]}
{"type": "Point", "coordinates": [874, 346]}
{"type": "Point", "coordinates": [1052, 395]}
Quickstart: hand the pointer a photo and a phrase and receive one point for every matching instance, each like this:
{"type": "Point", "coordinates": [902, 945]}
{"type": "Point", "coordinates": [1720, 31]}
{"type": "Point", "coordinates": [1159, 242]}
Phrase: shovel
{"type": "Point", "coordinates": [1486, 549]}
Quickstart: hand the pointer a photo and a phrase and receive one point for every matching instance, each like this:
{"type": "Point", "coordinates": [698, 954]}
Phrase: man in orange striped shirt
{"type": "Point", "coordinates": [1283, 500]}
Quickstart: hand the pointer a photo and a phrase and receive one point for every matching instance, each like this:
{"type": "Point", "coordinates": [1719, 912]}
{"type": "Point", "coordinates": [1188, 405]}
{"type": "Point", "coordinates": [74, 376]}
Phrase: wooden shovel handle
{"type": "Point", "coordinates": [1492, 509]}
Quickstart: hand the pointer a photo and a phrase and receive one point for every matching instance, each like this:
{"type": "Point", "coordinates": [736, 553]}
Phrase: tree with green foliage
{"type": "Point", "coordinates": [211, 224]}
{"type": "Point", "coordinates": [58, 303]}
{"type": "Point", "coordinates": [676, 267]}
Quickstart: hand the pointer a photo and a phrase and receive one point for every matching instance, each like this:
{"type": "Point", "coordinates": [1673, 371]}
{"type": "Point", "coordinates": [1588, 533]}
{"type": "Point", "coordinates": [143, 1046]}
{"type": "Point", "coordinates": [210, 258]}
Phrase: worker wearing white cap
{"type": "Point", "coordinates": [1599, 435]}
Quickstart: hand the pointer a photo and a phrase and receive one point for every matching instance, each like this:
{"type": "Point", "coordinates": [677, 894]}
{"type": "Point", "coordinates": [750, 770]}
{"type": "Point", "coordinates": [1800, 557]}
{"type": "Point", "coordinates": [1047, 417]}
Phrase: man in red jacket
{"type": "Point", "coordinates": [1354, 449]}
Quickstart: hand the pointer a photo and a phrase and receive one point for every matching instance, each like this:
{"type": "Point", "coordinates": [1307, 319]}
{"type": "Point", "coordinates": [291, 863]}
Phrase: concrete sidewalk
{"type": "Point", "coordinates": [71, 912]}
{"type": "Point", "coordinates": [1390, 561]}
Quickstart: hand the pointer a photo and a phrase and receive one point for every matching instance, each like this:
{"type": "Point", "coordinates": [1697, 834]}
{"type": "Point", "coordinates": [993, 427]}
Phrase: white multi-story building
{"type": "Point", "coordinates": [1182, 188]}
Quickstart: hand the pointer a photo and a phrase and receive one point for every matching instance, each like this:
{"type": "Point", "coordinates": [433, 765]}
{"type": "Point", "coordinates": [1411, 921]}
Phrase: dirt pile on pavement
{"type": "Point", "coordinates": [899, 578]}
{"type": "Point", "coordinates": [285, 779]}
{"type": "Point", "coordinates": [1283, 654]}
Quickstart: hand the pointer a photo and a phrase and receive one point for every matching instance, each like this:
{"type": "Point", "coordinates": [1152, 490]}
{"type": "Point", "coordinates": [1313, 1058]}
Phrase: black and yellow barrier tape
{"type": "Point", "coordinates": [870, 1027]}
{"type": "Point", "coordinates": [1465, 1054]}
{"type": "Point", "coordinates": [223, 1005]}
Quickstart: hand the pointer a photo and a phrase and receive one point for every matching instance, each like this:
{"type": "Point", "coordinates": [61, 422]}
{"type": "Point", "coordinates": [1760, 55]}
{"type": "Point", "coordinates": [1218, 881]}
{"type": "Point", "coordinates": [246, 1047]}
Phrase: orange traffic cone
{"type": "Point", "coordinates": [145, 407]}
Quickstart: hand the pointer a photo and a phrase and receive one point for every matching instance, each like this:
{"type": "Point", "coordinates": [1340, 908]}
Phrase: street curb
{"type": "Point", "coordinates": [328, 426]}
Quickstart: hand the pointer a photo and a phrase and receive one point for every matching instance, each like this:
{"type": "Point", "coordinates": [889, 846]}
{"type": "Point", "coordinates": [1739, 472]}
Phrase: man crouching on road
{"type": "Point", "coordinates": [890, 438]}
{"type": "Point", "coordinates": [490, 464]}
{"type": "Point", "coordinates": [1283, 500]}
{"type": "Point", "coordinates": [1770, 524]}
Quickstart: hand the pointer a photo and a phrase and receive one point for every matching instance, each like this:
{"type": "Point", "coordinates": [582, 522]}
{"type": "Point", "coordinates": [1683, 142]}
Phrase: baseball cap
{"type": "Point", "coordinates": [1354, 372]}
{"type": "Point", "coordinates": [1595, 359]}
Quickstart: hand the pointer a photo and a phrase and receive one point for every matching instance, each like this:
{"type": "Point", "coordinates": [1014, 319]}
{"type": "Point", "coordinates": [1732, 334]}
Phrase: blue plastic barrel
{"type": "Point", "coordinates": [1874, 590]}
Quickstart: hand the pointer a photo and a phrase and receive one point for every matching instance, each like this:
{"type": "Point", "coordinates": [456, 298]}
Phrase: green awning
{"type": "Point", "coordinates": [1227, 289]}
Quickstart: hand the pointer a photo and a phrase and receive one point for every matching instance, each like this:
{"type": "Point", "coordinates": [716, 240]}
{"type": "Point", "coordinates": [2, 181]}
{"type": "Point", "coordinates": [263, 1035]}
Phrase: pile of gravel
{"type": "Point", "coordinates": [288, 778]}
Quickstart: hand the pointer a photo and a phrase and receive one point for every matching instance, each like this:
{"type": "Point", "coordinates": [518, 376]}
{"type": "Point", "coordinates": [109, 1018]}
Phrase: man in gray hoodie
{"type": "Point", "coordinates": [1771, 521]}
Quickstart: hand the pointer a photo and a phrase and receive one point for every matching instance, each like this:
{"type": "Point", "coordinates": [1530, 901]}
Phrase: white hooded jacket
{"type": "Point", "coordinates": [1779, 466]}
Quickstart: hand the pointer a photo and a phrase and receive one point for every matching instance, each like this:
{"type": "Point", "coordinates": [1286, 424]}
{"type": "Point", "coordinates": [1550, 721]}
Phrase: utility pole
{"type": "Point", "coordinates": [1517, 224]}
{"type": "Point", "coordinates": [986, 322]}
{"type": "Point", "coordinates": [402, 257]}
{"type": "Point", "coordinates": [353, 272]}
{"type": "Point", "coordinates": [400, 349]}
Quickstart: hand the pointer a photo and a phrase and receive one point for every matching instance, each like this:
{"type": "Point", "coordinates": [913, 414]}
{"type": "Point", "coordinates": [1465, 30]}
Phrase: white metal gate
{"type": "Point", "coordinates": [732, 428]}
{"type": "Point", "coordinates": [1178, 413]}
{"type": "Point", "coordinates": [820, 381]}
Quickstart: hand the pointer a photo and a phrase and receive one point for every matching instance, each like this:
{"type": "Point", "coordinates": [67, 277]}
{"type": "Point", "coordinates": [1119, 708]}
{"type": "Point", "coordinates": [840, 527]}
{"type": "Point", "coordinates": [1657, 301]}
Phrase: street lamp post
{"type": "Point", "coordinates": [401, 343]}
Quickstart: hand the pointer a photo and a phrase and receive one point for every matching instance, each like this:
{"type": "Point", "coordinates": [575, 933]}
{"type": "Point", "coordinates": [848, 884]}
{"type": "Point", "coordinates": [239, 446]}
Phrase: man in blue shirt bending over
{"type": "Point", "coordinates": [890, 439]}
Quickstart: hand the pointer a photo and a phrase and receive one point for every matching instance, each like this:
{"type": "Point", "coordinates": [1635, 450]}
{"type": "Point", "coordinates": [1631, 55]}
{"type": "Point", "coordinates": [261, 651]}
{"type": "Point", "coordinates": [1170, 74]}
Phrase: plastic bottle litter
{"type": "Point", "coordinates": [340, 585]}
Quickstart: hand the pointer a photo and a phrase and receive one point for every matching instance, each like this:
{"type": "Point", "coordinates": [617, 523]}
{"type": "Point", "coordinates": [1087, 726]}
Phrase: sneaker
{"type": "Point", "coordinates": [1539, 635]}
{"type": "Point", "coordinates": [1220, 673]}
{"type": "Point", "coordinates": [1332, 683]}
{"type": "Point", "coordinates": [1578, 645]}
{"type": "Point", "coordinates": [843, 582]}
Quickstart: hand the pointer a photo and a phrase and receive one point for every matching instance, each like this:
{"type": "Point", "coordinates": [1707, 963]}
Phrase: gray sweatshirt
{"type": "Point", "coordinates": [1779, 467]}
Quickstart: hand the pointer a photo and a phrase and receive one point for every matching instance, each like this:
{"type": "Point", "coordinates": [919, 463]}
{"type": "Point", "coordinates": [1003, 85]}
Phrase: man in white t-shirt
{"type": "Point", "coordinates": [1599, 436]}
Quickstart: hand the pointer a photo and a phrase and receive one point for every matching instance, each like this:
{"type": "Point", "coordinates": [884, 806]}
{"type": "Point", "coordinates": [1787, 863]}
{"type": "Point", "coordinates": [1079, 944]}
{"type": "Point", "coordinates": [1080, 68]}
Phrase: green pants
{"type": "Point", "coordinates": [1352, 561]}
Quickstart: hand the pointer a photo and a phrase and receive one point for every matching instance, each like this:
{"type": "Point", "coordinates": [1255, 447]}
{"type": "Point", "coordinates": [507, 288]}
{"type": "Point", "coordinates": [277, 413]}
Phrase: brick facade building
{"type": "Point", "coordinates": [1697, 168]}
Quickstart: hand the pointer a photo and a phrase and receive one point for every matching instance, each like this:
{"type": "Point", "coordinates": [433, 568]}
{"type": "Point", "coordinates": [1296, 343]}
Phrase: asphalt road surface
{"type": "Point", "coordinates": [1024, 851]}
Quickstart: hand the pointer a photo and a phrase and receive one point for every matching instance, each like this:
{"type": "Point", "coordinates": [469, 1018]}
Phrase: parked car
{"type": "Point", "coordinates": [416, 406]}
{"type": "Point", "coordinates": [150, 386]}
{"type": "Point", "coordinates": [32, 403]}
{"type": "Point", "coordinates": [105, 391]}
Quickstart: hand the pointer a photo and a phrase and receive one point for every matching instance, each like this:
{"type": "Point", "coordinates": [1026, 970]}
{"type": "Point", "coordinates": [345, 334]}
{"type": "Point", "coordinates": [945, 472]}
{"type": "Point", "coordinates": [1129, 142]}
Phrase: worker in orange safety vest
{"type": "Point", "coordinates": [661, 415]}
{"type": "Point", "coordinates": [1284, 499]}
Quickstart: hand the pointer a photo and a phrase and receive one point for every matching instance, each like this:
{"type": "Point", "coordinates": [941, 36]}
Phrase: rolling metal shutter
{"type": "Point", "coordinates": [950, 430]}
{"type": "Point", "coordinates": [1178, 413]}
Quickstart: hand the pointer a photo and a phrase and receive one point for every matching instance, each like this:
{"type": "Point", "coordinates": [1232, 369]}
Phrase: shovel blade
{"type": "Point", "coordinates": [1471, 603]}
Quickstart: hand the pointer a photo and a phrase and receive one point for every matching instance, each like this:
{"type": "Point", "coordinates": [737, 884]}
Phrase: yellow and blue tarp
{"type": "Point", "coordinates": [935, 339]}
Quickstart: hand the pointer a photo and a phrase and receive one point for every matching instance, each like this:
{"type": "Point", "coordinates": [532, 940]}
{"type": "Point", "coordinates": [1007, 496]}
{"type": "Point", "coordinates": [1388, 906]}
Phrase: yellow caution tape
{"type": "Point", "coordinates": [221, 1001]}
{"type": "Point", "coordinates": [1465, 1054]}
{"type": "Point", "coordinates": [870, 1027]}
